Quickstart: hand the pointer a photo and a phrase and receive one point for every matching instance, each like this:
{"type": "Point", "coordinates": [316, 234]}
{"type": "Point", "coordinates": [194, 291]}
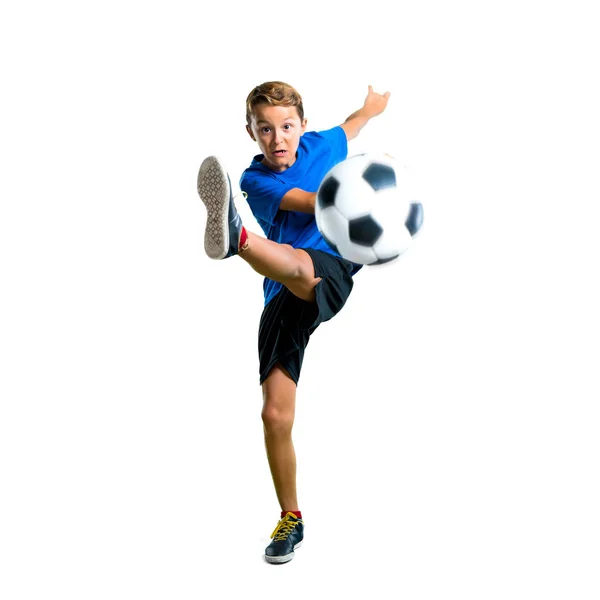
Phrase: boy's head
{"type": "Point", "coordinates": [275, 121]}
{"type": "Point", "coordinates": [274, 93]}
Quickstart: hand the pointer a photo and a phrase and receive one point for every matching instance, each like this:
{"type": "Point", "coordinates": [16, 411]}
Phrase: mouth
{"type": "Point", "coordinates": [280, 153]}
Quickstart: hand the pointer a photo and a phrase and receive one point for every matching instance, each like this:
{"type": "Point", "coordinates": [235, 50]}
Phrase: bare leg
{"type": "Point", "coordinates": [283, 263]}
{"type": "Point", "coordinates": [280, 262]}
{"type": "Point", "coordinates": [279, 403]}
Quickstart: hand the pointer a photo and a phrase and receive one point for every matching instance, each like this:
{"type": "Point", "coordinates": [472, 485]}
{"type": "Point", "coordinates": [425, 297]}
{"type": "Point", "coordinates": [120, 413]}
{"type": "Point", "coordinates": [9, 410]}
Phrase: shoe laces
{"type": "Point", "coordinates": [284, 528]}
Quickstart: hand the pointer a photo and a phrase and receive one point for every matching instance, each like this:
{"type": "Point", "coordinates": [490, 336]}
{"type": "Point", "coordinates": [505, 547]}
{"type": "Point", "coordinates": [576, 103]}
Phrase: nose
{"type": "Point", "coordinates": [414, 221]}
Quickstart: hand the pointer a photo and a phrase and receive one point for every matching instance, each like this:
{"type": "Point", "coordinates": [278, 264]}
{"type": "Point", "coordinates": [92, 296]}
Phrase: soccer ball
{"type": "Point", "coordinates": [362, 212]}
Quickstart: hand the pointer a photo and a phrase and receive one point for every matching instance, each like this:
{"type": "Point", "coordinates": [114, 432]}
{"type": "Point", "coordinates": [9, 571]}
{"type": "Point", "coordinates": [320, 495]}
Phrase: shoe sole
{"type": "Point", "coordinates": [282, 559]}
{"type": "Point", "coordinates": [215, 193]}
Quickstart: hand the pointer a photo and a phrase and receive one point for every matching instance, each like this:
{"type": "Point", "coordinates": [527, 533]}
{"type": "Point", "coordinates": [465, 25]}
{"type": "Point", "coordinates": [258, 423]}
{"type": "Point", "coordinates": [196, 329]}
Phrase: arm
{"type": "Point", "coordinates": [374, 105]}
{"type": "Point", "coordinates": [299, 200]}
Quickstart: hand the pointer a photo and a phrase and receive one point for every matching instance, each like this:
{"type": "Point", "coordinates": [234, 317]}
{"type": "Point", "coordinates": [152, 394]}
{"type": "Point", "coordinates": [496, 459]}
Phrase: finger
{"type": "Point", "coordinates": [370, 89]}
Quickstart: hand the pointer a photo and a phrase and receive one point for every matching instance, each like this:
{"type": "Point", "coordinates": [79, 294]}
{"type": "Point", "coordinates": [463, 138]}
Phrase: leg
{"type": "Point", "coordinates": [291, 267]}
{"type": "Point", "coordinates": [287, 265]}
{"type": "Point", "coordinates": [279, 402]}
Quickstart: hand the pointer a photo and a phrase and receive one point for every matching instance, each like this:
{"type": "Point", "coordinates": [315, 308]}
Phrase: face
{"type": "Point", "coordinates": [277, 131]}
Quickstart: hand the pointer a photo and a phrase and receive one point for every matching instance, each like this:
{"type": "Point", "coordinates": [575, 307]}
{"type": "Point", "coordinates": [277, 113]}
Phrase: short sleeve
{"type": "Point", "coordinates": [338, 142]}
{"type": "Point", "coordinates": [264, 195]}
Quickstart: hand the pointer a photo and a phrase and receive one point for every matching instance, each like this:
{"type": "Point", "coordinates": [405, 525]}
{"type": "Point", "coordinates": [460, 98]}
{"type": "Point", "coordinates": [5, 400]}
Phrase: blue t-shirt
{"type": "Point", "coordinates": [318, 152]}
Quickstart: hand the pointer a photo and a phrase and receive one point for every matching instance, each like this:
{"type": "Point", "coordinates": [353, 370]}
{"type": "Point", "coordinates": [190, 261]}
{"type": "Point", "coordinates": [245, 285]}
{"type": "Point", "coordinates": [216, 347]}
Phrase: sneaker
{"type": "Point", "coordinates": [223, 223]}
{"type": "Point", "coordinates": [288, 536]}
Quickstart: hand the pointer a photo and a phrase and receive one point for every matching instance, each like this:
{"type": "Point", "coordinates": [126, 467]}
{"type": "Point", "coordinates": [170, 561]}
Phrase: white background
{"type": "Point", "coordinates": [447, 419]}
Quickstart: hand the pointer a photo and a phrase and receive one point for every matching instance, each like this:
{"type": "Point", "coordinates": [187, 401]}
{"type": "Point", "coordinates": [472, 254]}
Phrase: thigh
{"type": "Point", "coordinates": [332, 291]}
{"type": "Point", "coordinates": [281, 340]}
{"type": "Point", "coordinates": [303, 285]}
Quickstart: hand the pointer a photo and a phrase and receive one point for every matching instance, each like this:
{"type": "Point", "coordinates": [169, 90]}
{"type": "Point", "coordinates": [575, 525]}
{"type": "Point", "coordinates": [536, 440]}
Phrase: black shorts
{"type": "Point", "coordinates": [287, 322]}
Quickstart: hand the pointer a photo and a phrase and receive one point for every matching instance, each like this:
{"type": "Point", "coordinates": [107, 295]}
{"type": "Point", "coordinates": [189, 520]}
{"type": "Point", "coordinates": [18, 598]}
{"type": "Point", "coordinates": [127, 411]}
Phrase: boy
{"type": "Point", "coordinates": [305, 281]}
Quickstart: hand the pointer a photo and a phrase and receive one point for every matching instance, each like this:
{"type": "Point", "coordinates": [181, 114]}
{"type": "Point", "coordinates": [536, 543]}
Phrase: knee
{"type": "Point", "coordinates": [296, 267]}
{"type": "Point", "coordinates": [276, 420]}
{"type": "Point", "coordinates": [299, 265]}
{"type": "Point", "coordinates": [302, 279]}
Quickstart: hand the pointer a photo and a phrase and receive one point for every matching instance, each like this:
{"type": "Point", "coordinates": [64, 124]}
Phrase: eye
{"type": "Point", "coordinates": [287, 126]}
{"type": "Point", "coordinates": [265, 130]}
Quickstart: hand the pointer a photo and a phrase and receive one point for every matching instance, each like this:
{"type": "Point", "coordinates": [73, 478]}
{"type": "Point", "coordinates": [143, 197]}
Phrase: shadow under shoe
{"type": "Point", "coordinates": [223, 223]}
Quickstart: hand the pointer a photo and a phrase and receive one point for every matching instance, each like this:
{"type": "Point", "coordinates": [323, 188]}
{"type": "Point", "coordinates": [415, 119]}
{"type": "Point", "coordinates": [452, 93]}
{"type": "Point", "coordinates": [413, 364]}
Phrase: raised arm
{"type": "Point", "coordinates": [374, 105]}
{"type": "Point", "coordinates": [302, 201]}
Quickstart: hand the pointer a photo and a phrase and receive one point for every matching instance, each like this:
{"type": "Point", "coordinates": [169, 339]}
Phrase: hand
{"type": "Point", "coordinates": [375, 103]}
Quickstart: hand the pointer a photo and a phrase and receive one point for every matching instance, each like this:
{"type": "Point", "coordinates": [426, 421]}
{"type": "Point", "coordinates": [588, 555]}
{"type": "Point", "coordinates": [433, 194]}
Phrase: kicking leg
{"type": "Point", "coordinates": [280, 262]}
{"type": "Point", "coordinates": [283, 263]}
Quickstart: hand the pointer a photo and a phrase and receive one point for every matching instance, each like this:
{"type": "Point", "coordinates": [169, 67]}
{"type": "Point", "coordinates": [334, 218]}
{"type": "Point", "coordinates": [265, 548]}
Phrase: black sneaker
{"type": "Point", "coordinates": [288, 536]}
{"type": "Point", "coordinates": [223, 223]}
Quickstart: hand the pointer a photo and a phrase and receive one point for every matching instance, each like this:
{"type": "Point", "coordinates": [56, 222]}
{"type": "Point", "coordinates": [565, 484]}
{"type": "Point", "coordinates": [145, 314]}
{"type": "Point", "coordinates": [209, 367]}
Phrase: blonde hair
{"type": "Point", "coordinates": [275, 93]}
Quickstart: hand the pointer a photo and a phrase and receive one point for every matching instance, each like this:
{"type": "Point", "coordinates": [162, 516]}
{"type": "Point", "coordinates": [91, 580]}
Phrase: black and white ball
{"type": "Point", "coordinates": [362, 211]}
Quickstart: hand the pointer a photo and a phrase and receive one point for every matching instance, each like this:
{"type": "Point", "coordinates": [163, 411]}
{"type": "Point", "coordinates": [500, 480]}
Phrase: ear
{"type": "Point", "coordinates": [250, 132]}
{"type": "Point", "coordinates": [303, 126]}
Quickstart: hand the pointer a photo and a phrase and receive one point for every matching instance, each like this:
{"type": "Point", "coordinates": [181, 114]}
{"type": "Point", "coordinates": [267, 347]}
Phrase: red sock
{"type": "Point", "coordinates": [243, 239]}
{"type": "Point", "coordinates": [295, 512]}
